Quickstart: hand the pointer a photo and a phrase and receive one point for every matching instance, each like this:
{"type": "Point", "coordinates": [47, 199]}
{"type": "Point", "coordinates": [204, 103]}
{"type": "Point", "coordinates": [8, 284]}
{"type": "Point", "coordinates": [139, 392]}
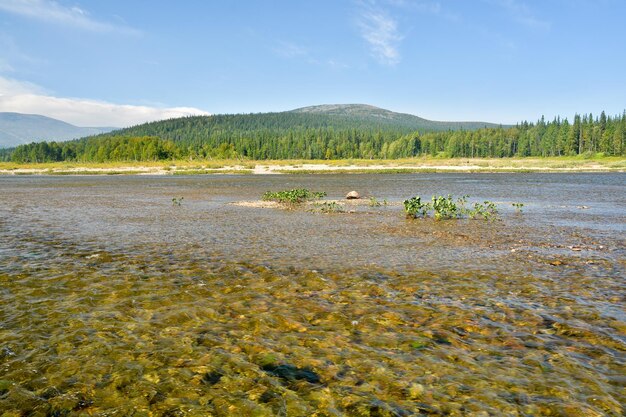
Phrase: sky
{"type": "Point", "coordinates": [118, 62]}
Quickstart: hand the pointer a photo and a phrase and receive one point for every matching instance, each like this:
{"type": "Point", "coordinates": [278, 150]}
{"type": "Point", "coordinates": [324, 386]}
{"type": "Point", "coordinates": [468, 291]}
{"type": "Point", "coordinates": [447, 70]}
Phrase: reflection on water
{"type": "Point", "coordinates": [116, 302]}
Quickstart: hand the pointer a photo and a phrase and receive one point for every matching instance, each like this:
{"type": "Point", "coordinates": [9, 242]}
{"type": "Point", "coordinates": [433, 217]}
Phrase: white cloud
{"type": "Point", "coordinates": [337, 64]}
{"type": "Point", "coordinates": [5, 66]}
{"type": "Point", "coordinates": [12, 57]}
{"type": "Point", "coordinates": [10, 87]}
{"type": "Point", "coordinates": [433, 7]}
{"type": "Point", "coordinates": [53, 12]}
{"type": "Point", "coordinates": [521, 13]}
{"type": "Point", "coordinates": [294, 51]}
{"type": "Point", "coordinates": [23, 97]}
{"type": "Point", "coordinates": [290, 50]}
{"type": "Point", "coordinates": [429, 7]}
{"type": "Point", "coordinates": [380, 31]}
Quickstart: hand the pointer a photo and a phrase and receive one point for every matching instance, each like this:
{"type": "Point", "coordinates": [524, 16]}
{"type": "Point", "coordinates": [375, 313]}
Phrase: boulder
{"type": "Point", "coordinates": [352, 195]}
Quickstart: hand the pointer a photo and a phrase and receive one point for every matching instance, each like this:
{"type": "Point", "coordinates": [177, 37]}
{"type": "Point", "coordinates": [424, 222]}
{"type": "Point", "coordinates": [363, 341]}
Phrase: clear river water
{"type": "Point", "coordinates": [116, 302]}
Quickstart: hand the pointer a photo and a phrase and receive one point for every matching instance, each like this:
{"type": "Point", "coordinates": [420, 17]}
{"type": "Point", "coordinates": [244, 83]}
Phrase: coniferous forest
{"type": "Point", "coordinates": [290, 135]}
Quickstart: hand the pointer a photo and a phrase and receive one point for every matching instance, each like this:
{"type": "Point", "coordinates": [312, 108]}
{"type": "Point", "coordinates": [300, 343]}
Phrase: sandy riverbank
{"type": "Point", "coordinates": [305, 167]}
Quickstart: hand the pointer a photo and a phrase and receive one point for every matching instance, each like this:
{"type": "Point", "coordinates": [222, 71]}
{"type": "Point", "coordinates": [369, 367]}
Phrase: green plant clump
{"type": "Point", "coordinates": [487, 210]}
{"type": "Point", "coordinates": [415, 208]}
{"type": "Point", "coordinates": [295, 196]}
{"type": "Point", "coordinates": [518, 207]}
{"type": "Point", "coordinates": [445, 207]}
{"type": "Point", "coordinates": [177, 201]}
{"type": "Point", "coordinates": [329, 207]}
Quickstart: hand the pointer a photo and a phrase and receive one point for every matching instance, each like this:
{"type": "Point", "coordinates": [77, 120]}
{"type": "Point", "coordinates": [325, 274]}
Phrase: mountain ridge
{"type": "Point", "coordinates": [354, 110]}
{"type": "Point", "coordinates": [338, 116]}
{"type": "Point", "coordinates": [20, 128]}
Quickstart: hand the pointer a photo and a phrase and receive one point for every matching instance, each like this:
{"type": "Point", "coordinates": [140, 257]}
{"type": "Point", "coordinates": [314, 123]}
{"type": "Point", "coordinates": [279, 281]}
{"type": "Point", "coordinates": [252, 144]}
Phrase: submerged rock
{"type": "Point", "coordinates": [212, 378]}
{"type": "Point", "coordinates": [292, 373]}
{"type": "Point", "coordinates": [269, 396]}
{"type": "Point", "coordinates": [6, 352]}
{"type": "Point", "coordinates": [353, 195]}
{"type": "Point", "coordinates": [83, 402]}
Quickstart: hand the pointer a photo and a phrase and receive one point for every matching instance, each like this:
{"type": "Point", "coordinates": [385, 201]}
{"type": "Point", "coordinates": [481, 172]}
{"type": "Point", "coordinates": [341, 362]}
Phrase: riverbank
{"type": "Point", "coordinates": [559, 164]}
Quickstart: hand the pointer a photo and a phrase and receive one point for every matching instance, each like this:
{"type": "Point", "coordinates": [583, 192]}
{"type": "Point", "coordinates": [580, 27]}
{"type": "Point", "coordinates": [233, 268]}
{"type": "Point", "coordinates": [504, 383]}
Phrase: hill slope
{"type": "Point", "coordinates": [18, 128]}
{"type": "Point", "coordinates": [337, 117]}
{"type": "Point", "coordinates": [376, 115]}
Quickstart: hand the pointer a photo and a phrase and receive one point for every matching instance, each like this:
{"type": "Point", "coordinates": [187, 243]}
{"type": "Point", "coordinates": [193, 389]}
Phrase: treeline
{"type": "Point", "coordinates": [586, 135]}
{"type": "Point", "coordinates": [98, 150]}
{"type": "Point", "coordinates": [5, 154]}
{"type": "Point", "coordinates": [203, 138]}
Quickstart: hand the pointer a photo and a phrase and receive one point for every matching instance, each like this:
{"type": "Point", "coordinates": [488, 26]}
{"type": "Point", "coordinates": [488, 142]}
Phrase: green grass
{"type": "Point", "coordinates": [212, 171]}
{"type": "Point", "coordinates": [294, 196]}
{"type": "Point", "coordinates": [96, 172]}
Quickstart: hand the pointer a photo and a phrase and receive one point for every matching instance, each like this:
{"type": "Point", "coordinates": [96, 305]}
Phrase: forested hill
{"type": "Point", "coordinates": [332, 132]}
{"type": "Point", "coordinates": [336, 117]}
{"type": "Point", "coordinates": [363, 113]}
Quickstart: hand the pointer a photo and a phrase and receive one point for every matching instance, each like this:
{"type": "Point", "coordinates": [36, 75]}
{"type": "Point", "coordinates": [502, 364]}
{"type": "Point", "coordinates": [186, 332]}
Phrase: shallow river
{"type": "Point", "coordinates": [116, 302]}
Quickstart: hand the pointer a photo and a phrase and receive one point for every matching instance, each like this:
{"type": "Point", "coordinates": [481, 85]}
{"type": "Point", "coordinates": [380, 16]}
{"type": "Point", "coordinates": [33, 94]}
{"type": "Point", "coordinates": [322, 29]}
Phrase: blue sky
{"type": "Point", "coordinates": [123, 62]}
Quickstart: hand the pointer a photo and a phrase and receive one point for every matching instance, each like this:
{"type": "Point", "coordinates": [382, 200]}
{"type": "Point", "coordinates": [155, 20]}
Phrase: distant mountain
{"type": "Point", "coordinates": [340, 117]}
{"type": "Point", "coordinates": [376, 115]}
{"type": "Point", "coordinates": [318, 132]}
{"type": "Point", "coordinates": [18, 128]}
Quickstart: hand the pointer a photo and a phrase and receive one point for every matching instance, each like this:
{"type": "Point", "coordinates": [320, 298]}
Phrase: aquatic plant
{"type": "Point", "coordinates": [461, 201]}
{"type": "Point", "coordinates": [375, 203]}
{"type": "Point", "coordinates": [487, 210]}
{"type": "Point", "coordinates": [415, 208]}
{"type": "Point", "coordinates": [445, 207]}
{"type": "Point", "coordinates": [177, 201]}
{"type": "Point", "coordinates": [518, 207]}
{"type": "Point", "coordinates": [294, 196]}
{"type": "Point", "coordinates": [329, 207]}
